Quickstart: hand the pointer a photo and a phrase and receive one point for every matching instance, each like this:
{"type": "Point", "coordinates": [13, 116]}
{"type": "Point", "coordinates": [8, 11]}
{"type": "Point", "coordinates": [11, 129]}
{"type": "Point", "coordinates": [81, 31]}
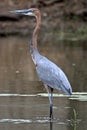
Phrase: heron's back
{"type": "Point", "coordinates": [50, 74]}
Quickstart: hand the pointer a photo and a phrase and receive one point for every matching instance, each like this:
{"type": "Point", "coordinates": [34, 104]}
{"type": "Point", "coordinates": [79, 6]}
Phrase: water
{"type": "Point", "coordinates": [24, 103]}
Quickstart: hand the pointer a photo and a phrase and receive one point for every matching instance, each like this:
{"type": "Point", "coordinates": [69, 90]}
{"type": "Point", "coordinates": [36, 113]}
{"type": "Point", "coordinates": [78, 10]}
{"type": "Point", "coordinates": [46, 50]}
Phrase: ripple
{"type": "Point", "coordinates": [16, 95]}
{"type": "Point", "coordinates": [21, 121]}
{"type": "Point", "coordinates": [15, 121]}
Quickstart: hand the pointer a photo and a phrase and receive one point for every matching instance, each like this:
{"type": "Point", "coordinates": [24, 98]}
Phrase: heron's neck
{"type": "Point", "coordinates": [35, 33]}
{"type": "Point", "coordinates": [33, 44]}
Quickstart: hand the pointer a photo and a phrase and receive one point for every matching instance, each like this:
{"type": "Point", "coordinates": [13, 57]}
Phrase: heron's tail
{"type": "Point", "coordinates": [67, 90]}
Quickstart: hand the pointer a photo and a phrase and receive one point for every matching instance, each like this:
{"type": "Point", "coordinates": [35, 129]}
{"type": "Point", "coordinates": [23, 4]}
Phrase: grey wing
{"type": "Point", "coordinates": [50, 74]}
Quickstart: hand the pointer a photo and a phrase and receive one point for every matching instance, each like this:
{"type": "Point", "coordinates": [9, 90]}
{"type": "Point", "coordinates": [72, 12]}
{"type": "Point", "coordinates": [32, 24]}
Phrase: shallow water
{"type": "Point", "coordinates": [24, 103]}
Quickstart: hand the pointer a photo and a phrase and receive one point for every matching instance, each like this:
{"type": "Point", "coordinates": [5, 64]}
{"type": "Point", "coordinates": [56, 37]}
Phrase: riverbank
{"type": "Point", "coordinates": [64, 20]}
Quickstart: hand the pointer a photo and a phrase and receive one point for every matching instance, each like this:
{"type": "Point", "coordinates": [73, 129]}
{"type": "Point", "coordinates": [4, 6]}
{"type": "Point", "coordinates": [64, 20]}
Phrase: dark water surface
{"type": "Point", "coordinates": [24, 103]}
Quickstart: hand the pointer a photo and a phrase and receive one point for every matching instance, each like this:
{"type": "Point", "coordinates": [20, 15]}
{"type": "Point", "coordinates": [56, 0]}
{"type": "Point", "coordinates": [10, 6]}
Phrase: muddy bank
{"type": "Point", "coordinates": [57, 16]}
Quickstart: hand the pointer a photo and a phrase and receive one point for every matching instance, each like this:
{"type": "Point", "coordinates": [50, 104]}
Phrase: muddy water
{"type": "Point", "coordinates": [24, 103]}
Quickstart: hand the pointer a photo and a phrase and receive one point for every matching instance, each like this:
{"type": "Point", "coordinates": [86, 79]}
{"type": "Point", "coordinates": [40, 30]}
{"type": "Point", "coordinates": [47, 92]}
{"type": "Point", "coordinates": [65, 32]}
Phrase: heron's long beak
{"type": "Point", "coordinates": [24, 12]}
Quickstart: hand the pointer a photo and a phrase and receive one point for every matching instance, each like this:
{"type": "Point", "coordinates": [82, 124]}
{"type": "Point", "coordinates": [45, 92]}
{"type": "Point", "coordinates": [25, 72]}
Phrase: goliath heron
{"type": "Point", "coordinates": [48, 72]}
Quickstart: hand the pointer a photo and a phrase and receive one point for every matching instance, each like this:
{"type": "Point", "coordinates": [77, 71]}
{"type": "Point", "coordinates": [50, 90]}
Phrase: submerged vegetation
{"type": "Point", "coordinates": [69, 33]}
{"type": "Point", "coordinates": [74, 120]}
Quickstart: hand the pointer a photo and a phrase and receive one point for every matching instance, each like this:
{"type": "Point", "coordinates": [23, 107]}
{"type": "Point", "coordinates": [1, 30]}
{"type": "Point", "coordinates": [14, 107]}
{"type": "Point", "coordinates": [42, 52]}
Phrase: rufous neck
{"type": "Point", "coordinates": [36, 30]}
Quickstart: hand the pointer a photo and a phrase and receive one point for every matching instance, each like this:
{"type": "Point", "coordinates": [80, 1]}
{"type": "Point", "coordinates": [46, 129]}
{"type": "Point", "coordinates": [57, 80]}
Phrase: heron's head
{"type": "Point", "coordinates": [29, 12]}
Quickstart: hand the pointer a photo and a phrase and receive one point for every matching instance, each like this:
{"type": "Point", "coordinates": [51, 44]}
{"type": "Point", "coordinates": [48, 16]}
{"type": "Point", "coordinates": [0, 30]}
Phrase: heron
{"type": "Point", "coordinates": [48, 72]}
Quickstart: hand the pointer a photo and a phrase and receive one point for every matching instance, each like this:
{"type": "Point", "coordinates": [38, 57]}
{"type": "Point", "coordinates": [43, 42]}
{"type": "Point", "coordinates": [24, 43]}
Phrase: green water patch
{"type": "Point", "coordinates": [80, 96]}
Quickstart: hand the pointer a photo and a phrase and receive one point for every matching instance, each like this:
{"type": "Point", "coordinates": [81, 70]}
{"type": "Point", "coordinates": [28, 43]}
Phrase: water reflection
{"type": "Point", "coordinates": [17, 68]}
{"type": "Point", "coordinates": [23, 101]}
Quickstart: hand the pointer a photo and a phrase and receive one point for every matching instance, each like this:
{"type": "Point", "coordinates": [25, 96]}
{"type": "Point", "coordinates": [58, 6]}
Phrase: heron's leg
{"type": "Point", "coordinates": [50, 94]}
{"type": "Point", "coordinates": [51, 104]}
